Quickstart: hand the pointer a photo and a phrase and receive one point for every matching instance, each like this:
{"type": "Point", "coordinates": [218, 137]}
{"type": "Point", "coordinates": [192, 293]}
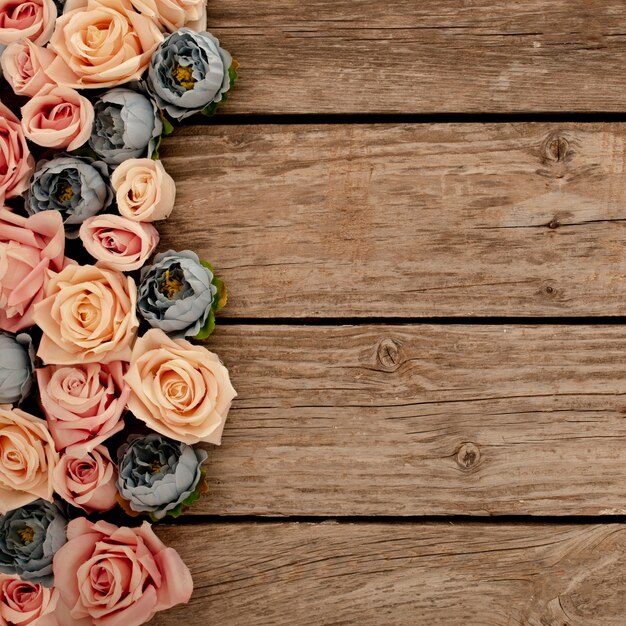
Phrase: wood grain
{"type": "Point", "coordinates": [421, 420]}
{"type": "Point", "coordinates": [402, 574]}
{"type": "Point", "coordinates": [402, 56]}
{"type": "Point", "coordinates": [406, 220]}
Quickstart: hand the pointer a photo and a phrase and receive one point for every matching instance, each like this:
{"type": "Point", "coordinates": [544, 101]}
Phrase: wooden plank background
{"type": "Point", "coordinates": [419, 208]}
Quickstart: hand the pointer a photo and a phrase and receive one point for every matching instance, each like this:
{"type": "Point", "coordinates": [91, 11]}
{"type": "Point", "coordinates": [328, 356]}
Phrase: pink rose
{"type": "Point", "coordinates": [102, 43]}
{"type": "Point", "coordinates": [174, 14]}
{"type": "Point", "coordinates": [58, 117]}
{"type": "Point", "coordinates": [26, 604]}
{"type": "Point", "coordinates": [29, 247]}
{"type": "Point", "coordinates": [28, 459]}
{"type": "Point", "coordinates": [178, 389]}
{"type": "Point", "coordinates": [83, 403]}
{"type": "Point", "coordinates": [117, 242]}
{"type": "Point", "coordinates": [145, 191]}
{"type": "Point", "coordinates": [87, 316]}
{"type": "Point", "coordinates": [118, 576]}
{"type": "Point", "coordinates": [87, 481]}
{"type": "Point", "coordinates": [16, 162]}
{"type": "Point", "coordinates": [24, 66]}
{"type": "Point", "coordinates": [32, 20]}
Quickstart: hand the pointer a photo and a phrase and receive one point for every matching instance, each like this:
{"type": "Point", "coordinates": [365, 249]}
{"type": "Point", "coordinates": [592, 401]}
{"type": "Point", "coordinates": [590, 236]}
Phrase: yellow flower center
{"type": "Point", "coordinates": [26, 535]}
{"type": "Point", "coordinates": [183, 76]}
{"type": "Point", "coordinates": [170, 285]}
{"type": "Point", "coordinates": [156, 467]}
{"type": "Point", "coordinates": [65, 192]}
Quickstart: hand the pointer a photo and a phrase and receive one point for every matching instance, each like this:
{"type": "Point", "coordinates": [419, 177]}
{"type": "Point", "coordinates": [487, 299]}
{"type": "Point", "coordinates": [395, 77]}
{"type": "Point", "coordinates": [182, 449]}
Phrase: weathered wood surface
{"type": "Point", "coordinates": [402, 574]}
{"type": "Point", "coordinates": [406, 220]}
{"type": "Point", "coordinates": [421, 420]}
{"type": "Point", "coordinates": [407, 56]}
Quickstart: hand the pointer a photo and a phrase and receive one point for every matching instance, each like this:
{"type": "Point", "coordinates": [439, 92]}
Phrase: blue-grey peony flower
{"type": "Point", "coordinates": [78, 187]}
{"type": "Point", "coordinates": [176, 293]}
{"type": "Point", "coordinates": [127, 125]}
{"type": "Point", "coordinates": [188, 73]}
{"type": "Point", "coordinates": [29, 539]}
{"type": "Point", "coordinates": [157, 475]}
{"type": "Point", "coordinates": [17, 362]}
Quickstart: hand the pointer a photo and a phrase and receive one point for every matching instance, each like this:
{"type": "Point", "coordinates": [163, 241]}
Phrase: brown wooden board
{"type": "Point", "coordinates": [402, 574]}
{"type": "Point", "coordinates": [421, 420]}
{"type": "Point", "coordinates": [408, 56]}
{"type": "Point", "coordinates": [406, 220]}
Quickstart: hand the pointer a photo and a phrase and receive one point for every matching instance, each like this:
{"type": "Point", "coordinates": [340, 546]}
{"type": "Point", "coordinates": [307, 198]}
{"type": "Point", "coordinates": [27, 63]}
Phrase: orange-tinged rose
{"type": "Point", "coordinates": [174, 14]}
{"type": "Point", "coordinates": [87, 316]}
{"type": "Point", "coordinates": [102, 43]}
{"type": "Point", "coordinates": [27, 459]}
{"type": "Point", "coordinates": [178, 389]}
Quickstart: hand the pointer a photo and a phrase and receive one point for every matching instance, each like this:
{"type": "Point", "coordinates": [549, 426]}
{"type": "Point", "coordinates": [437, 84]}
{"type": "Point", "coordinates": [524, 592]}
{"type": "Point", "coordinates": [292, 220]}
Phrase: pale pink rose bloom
{"type": "Point", "coordinates": [145, 191]}
{"type": "Point", "coordinates": [28, 459]}
{"type": "Point", "coordinates": [118, 576]}
{"type": "Point", "coordinates": [29, 247]}
{"type": "Point", "coordinates": [24, 66]}
{"type": "Point", "coordinates": [16, 162]}
{"type": "Point", "coordinates": [58, 117]}
{"type": "Point", "coordinates": [87, 316]}
{"type": "Point", "coordinates": [174, 14]}
{"type": "Point", "coordinates": [102, 43]}
{"type": "Point", "coordinates": [83, 404]}
{"type": "Point", "coordinates": [117, 242]}
{"type": "Point", "coordinates": [87, 481]}
{"type": "Point", "coordinates": [32, 20]}
{"type": "Point", "coordinates": [178, 389]}
{"type": "Point", "coordinates": [25, 603]}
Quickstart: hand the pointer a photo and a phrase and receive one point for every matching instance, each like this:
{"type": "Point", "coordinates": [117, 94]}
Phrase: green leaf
{"type": "Point", "coordinates": [233, 74]}
{"type": "Point", "coordinates": [155, 152]}
{"type": "Point", "coordinates": [221, 297]}
{"type": "Point", "coordinates": [84, 151]}
{"type": "Point", "coordinates": [208, 328]}
{"type": "Point", "coordinates": [168, 127]}
{"type": "Point", "coordinates": [207, 265]}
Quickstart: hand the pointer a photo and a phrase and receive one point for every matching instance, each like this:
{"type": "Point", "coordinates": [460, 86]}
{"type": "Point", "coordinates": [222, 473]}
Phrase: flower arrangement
{"type": "Point", "coordinates": [105, 392]}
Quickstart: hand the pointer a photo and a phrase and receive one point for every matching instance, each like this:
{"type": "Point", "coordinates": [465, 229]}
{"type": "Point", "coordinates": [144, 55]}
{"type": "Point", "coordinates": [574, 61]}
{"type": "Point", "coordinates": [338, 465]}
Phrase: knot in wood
{"type": "Point", "coordinates": [388, 353]}
{"type": "Point", "coordinates": [555, 148]}
{"type": "Point", "coordinates": [468, 455]}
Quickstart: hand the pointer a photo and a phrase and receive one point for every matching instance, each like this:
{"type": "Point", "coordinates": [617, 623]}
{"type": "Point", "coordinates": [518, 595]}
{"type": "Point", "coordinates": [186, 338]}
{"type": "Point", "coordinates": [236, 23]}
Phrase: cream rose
{"type": "Point", "coordinates": [179, 390]}
{"type": "Point", "coordinates": [145, 191]}
{"type": "Point", "coordinates": [87, 481]}
{"type": "Point", "coordinates": [32, 20]}
{"type": "Point", "coordinates": [102, 43]}
{"type": "Point", "coordinates": [174, 14]}
{"type": "Point", "coordinates": [88, 316]}
{"type": "Point", "coordinates": [24, 66]}
{"type": "Point", "coordinates": [117, 242]}
{"type": "Point", "coordinates": [27, 459]}
{"type": "Point", "coordinates": [58, 117]}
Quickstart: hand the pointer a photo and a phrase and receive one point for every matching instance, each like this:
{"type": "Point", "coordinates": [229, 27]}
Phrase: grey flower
{"type": "Point", "coordinates": [157, 475]}
{"type": "Point", "coordinates": [189, 72]}
{"type": "Point", "coordinates": [126, 126]}
{"type": "Point", "coordinates": [17, 357]}
{"type": "Point", "coordinates": [29, 539]}
{"type": "Point", "coordinates": [78, 187]}
{"type": "Point", "coordinates": [176, 293]}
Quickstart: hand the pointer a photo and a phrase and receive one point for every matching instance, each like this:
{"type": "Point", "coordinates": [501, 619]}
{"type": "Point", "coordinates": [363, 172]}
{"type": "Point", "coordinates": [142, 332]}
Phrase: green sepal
{"type": "Point", "coordinates": [202, 487]}
{"type": "Point", "coordinates": [207, 330]}
{"type": "Point", "coordinates": [85, 151]}
{"type": "Point", "coordinates": [233, 76]}
{"type": "Point", "coordinates": [168, 127]}
{"type": "Point", "coordinates": [221, 297]}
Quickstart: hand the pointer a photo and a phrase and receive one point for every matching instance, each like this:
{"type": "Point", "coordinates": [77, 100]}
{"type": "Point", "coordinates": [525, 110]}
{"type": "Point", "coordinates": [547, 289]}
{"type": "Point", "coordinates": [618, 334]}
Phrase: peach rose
{"type": "Point", "coordinates": [174, 14]}
{"type": "Point", "coordinates": [118, 576]}
{"type": "Point", "coordinates": [179, 390]}
{"type": "Point", "coordinates": [83, 404]}
{"type": "Point", "coordinates": [102, 43]}
{"type": "Point", "coordinates": [32, 20]}
{"type": "Point", "coordinates": [29, 246]}
{"type": "Point", "coordinates": [28, 459]}
{"type": "Point", "coordinates": [145, 191]}
{"type": "Point", "coordinates": [87, 481]}
{"type": "Point", "coordinates": [117, 242]}
{"type": "Point", "coordinates": [16, 162]}
{"type": "Point", "coordinates": [58, 117]}
{"type": "Point", "coordinates": [24, 603]}
{"type": "Point", "coordinates": [87, 316]}
{"type": "Point", "coordinates": [24, 66]}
